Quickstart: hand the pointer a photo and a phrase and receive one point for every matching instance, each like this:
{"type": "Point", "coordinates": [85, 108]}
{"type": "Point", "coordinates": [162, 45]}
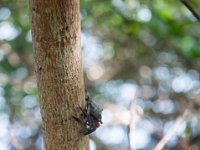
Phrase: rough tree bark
{"type": "Point", "coordinates": [55, 28]}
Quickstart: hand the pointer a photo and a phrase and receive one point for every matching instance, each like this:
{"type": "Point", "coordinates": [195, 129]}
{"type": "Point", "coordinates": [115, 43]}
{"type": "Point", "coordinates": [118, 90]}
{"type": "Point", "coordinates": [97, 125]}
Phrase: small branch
{"type": "Point", "coordinates": [173, 129]}
{"type": "Point", "coordinates": [133, 120]}
{"type": "Point", "coordinates": [191, 9]}
{"type": "Point", "coordinates": [15, 143]}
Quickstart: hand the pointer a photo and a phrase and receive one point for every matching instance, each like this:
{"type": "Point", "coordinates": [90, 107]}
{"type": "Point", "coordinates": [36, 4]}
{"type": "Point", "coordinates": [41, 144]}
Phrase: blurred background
{"type": "Point", "coordinates": [141, 64]}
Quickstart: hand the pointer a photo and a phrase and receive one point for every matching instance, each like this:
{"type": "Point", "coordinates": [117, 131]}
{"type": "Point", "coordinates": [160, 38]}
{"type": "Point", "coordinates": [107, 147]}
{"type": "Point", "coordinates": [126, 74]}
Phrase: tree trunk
{"type": "Point", "coordinates": [58, 62]}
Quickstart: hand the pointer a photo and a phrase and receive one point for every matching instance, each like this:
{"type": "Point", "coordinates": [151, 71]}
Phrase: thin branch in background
{"type": "Point", "coordinates": [132, 123]}
{"type": "Point", "coordinates": [174, 128]}
{"type": "Point", "coordinates": [14, 142]}
{"type": "Point", "coordinates": [185, 2]}
{"type": "Point", "coordinates": [135, 114]}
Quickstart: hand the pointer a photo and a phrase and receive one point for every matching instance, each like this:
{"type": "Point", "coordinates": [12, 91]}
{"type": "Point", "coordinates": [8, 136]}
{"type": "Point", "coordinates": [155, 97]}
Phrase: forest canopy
{"type": "Point", "coordinates": [141, 64]}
